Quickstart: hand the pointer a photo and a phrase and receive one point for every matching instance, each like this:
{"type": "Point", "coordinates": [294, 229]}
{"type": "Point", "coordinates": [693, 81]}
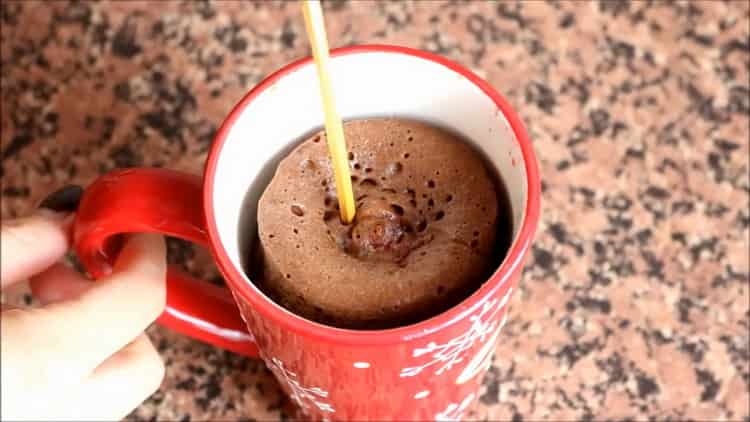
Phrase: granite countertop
{"type": "Point", "coordinates": [634, 302]}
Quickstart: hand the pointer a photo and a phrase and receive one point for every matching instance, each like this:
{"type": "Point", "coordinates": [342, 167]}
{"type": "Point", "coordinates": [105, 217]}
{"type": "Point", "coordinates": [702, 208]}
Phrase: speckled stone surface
{"type": "Point", "coordinates": [634, 303]}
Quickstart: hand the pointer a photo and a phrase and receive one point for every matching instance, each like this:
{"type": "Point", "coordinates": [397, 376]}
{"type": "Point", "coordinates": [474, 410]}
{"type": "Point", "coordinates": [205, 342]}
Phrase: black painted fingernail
{"type": "Point", "coordinates": [63, 200]}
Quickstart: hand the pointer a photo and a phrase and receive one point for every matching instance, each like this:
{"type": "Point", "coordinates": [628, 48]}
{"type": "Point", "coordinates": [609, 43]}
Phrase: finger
{"type": "Point", "coordinates": [29, 245]}
{"type": "Point", "coordinates": [116, 387]}
{"type": "Point", "coordinates": [66, 340]}
{"type": "Point", "coordinates": [58, 283]}
{"type": "Point", "coordinates": [119, 384]}
{"type": "Point", "coordinates": [7, 307]}
{"type": "Point", "coordinates": [61, 282]}
{"type": "Point", "coordinates": [116, 309]}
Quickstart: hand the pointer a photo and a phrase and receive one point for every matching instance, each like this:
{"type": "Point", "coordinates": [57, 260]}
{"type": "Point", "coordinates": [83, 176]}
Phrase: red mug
{"type": "Point", "coordinates": [428, 370]}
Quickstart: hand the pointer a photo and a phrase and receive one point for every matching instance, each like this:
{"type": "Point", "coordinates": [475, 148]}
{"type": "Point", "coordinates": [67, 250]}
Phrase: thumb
{"type": "Point", "coordinates": [66, 340]}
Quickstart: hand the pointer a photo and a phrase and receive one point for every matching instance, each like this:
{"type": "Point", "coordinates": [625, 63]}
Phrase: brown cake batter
{"type": "Point", "coordinates": [422, 238]}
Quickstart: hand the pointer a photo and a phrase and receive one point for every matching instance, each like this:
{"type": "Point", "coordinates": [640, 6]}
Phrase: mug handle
{"type": "Point", "coordinates": [170, 203]}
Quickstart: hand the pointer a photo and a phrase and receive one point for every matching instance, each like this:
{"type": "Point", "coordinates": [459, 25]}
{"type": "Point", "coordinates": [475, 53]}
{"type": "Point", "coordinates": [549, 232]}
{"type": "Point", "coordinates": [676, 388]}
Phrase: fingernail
{"type": "Point", "coordinates": [63, 200]}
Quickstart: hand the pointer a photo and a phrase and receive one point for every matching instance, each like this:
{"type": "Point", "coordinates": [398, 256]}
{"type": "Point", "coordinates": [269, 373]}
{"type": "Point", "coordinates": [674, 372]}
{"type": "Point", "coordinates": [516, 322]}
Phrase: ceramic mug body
{"type": "Point", "coordinates": [425, 371]}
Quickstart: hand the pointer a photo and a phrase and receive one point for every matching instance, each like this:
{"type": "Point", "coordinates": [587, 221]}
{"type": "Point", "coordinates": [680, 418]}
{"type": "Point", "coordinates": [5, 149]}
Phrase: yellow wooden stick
{"type": "Point", "coordinates": [316, 32]}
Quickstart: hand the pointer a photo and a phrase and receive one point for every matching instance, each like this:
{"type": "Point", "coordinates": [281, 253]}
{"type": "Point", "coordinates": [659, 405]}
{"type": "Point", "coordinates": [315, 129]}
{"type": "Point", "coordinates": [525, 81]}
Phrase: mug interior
{"type": "Point", "coordinates": [367, 84]}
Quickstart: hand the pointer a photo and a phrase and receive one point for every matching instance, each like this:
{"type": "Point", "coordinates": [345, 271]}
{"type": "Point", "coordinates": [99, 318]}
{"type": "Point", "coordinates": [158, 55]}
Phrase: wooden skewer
{"type": "Point", "coordinates": [316, 33]}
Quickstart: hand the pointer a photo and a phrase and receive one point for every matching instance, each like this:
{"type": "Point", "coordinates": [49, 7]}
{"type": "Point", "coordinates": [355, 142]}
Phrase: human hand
{"type": "Point", "coordinates": [82, 354]}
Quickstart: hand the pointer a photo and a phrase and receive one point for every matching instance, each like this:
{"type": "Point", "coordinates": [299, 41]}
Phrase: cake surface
{"type": "Point", "coordinates": [422, 238]}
